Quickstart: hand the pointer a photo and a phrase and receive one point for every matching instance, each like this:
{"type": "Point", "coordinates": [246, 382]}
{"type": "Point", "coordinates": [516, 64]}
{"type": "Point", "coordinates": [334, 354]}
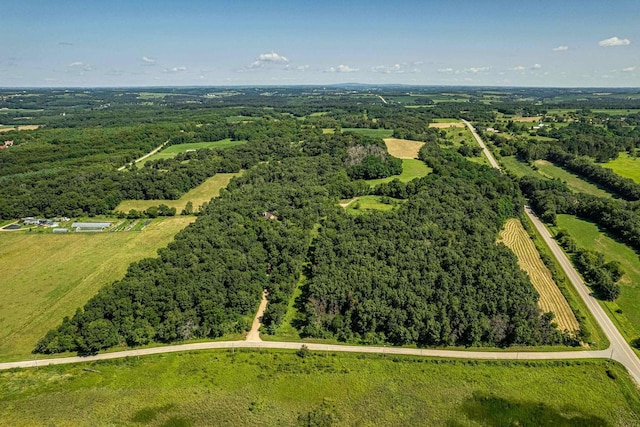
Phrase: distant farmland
{"type": "Point", "coordinates": [173, 150]}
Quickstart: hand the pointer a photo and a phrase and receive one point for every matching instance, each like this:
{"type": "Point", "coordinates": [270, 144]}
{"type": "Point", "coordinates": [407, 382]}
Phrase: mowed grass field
{"type": "Point", "coordinates": [202, 193]}
{"type": "Point", "coordinates": [626, 166]}
{"type": "Point", "coordinates": [551, 299]}
{"type": "Point", "coordinates": [411, 169]}
{"type": "Point", "coordinates": [575, 182]}
{"type": "Point", "coordinates": [368, 203]}
{"type": "Point", "coordinates": [277, 388]}
{"type": "Point", "coordinates": [47, 276]}
{"type": "Point", "coordinates": [173, 150]}
{"type": "Point", "coordinates": [588, 236]}
{"type": "Point", "coordinates": [403, 148]}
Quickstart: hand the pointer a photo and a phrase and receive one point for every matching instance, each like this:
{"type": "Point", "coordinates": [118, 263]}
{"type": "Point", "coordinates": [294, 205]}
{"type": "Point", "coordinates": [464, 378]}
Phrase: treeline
{"type": "Point", "coordinates": [553, 197]}
{"type": "Point", "coordinates": [208, 281]}
{"type": "Point", "coordinates": [601, 276]}
{"type": "Point", "coordinates": [430, 272]}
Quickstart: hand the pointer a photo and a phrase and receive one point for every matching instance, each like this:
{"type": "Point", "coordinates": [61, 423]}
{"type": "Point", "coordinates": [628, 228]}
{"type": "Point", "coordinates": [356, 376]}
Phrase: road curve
{"type": "Point", "coordinates": [619, 349]}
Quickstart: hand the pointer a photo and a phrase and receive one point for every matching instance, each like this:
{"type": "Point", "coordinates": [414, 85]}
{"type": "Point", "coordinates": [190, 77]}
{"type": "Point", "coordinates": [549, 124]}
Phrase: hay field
{"type": "Point", "coordinates": [446, 125]}
{"type": "Point", "coordinates": [551, 299]}
{"type": "Point", "coordinates": [47, 276]}
{"type": "Point", "coordinates": [403, 148]}
{"type": "Point", "coordinates": [411, 169]}
{"type": "Point", "coordinates": [202, 193]}
{"type": "Point", "coordinates": [21, 127]}
{"type": "Point", "coordinates": [626, 166]}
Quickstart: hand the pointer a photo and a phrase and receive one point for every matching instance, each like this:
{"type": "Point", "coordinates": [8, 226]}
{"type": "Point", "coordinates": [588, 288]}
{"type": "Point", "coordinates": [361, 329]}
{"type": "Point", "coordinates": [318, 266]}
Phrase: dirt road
{"type": "Point", "coordinates": [149, 154]}
{"type": "Point", "coordinates": [254, 333]}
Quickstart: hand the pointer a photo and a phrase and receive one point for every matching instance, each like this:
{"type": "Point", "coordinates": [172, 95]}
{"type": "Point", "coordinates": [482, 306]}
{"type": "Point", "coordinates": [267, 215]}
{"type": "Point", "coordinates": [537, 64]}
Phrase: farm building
{"type": "Point", "coordinates": [60, 230]}
{"type": "Point", "coordinates": [90, 226]}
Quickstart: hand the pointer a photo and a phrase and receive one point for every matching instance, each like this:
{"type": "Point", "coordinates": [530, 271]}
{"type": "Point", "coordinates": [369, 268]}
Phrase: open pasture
{"type": "Point", "coordinates": [411, 169]}
{"type": "Point", "coordinates": [21, 127]}
{"type": "Point", "coordinates": [626, 166]}
{"type": "Point", "coordinates": [202, 193]}
{"type": "Point", "coordinates": [588, 236]}
{"type": "Point", "coordinates": [575, 182]}
{"type": "Point", "coordinates": [374, 133]}
{"type": "Point", "coordinates": [47, 276]}
{"type": "Point", "coordinates": [276, 388]}
{"type": "Point", "coordinates": [446, 125]}
{"type": "Point", "coordinates": [403, 148]}
{"type": "Point", "coordinates": [551, 299]}
{"type": "Point", "coordinates": [367, 203]}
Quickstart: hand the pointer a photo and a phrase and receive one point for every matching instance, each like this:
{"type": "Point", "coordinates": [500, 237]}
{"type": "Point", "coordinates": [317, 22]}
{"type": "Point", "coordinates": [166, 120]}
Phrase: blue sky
{"type": "Point", "coordinates": [155, 43]}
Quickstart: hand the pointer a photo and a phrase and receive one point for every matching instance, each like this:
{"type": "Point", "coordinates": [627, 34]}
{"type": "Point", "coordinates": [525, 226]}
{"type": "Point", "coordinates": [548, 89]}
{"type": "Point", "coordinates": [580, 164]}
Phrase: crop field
{"type": "Point", "coordinates": [551, 299]}
{"type": "Point", "coordinates": [403, 148]}
{"type": "Point", "coordinates": [626, 166]}
{"type": "Point", "coordinates": [411, 169]}
{"type": "Point", "coordinates": [446, 125]}
{"type": "Point", "coordinates": [21, 127]}
{"type": "Point", "coordinates": [202, 193]}
{"type": "Point", "coordinates": [278, 388]}
{"type": "Point", "coordinates": [171, 151]}
{"type": "Point", "coordinates": [588, 236]}
{"type": "Point", "coordinates": [47, 276]}
{"type": "Point", "coordinates": [375, 133]}
{"type": "Point", "coordinates": [575, 182]}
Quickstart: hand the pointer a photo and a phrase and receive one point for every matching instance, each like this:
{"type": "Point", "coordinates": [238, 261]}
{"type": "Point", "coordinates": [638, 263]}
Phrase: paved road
{"type": "Point", "coordinates": [486, 151]}
{"type": "Point", "coordinates": [619, 349]}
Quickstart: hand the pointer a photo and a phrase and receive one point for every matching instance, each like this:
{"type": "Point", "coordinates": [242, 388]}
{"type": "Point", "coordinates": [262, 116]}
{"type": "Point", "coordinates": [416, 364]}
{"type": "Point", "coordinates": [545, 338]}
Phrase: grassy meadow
{"type": "Point", "coordinates": [411, 169]}
{"type": "Point", "coordinates": [368, 203]}
{"type": "Point", "coordinates": [202, 193]}
{"type": "Point", "coordinates": [173, 150]}
{"type": "Point", "coordinates": [588, 236]}
{"type": "Point", "coordinates": [374, 133]}
{"type": "Point", "coordinates": [575, 182]}
{"type": "Point", "coordinates": [275, 388]}
{"type": "Point", "coordinates": [626, 166]}
{"type": "Point", "coordinates": [47, 276]}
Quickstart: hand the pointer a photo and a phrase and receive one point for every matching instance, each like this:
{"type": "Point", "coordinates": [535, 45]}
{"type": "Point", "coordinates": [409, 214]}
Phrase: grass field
{"type": "Point", "coordinates": [588, 236]}
{"type": "Point", "coordinates": [202, 193]}
{"type": "Point", "coordinates": [47, 276]}
{"type": "Point", "coordinates": [367, 203]}
{"type": "Point", "coordinates": [279, 388]}
{"type": "Point", "coordinates": [411, 169]}
{"type": "Point", "coordinates": [551, 299]}
{"type": "Point", "coordinates": [375, 133]}
{"type": "Point", "coordinates": [518, 168]}
{"type": "Point", "coordinates": [575, 182]}
{"type": "Point", "coordinates": [173, 150]}
{"type": "Point", "coordinates": [21, 127]}
{"type": "Point", "coordinates": [626, 166]}
{"type": "Point", "coordinates": [403, 148]}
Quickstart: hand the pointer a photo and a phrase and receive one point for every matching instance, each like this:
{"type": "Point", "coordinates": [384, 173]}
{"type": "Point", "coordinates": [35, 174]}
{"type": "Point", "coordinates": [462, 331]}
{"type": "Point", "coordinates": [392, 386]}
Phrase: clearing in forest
{"type": "Point", "coordinates": [516, 238]}
{"type": "Point", "coordinates": [20, 127]}
{"type": "Point", "coordinates": [202, 193]}
{"type": "Point", "coordinates": [626, 166]}
{"type": "Point", "coordinates": [403, 148]}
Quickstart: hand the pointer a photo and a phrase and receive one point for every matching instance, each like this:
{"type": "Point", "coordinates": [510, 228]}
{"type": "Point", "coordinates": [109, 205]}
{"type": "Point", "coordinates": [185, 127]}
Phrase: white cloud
{"type": "Point", "coordinates": [78, 65]}
{"type": "Point", "coordinates": [445, 70]}
{"type": "Point", "coordinates": [536, 67]}
{"type": "Point", "coordinates": [628, 69]}
{"type": "Point", "coordinates": [341, 69]}
{"type": "Point", "coordinates": [476, 69]}
{"type": "Point", "coordinates": [614, 41]}
{"type": "Point", "coordinates": [175, 69]}
{"type": "Point", "coordinates": [560, 48]}
{"type": "Point", "coordinates": [268, 58]}
{"type": "Point", "coordinates": [397, 68]}
{"type": "Point", "coordinates": [518, 68]}
{"type": "Point", "coordinates": [148, 60]}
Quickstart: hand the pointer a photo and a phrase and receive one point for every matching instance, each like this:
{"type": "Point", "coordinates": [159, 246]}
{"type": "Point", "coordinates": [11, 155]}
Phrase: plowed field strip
{"type": "Point", "coordinates": [551, 299]}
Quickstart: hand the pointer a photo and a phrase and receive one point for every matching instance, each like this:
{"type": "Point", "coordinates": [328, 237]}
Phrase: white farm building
{"type": "Point", "coordinates": [90, 226]}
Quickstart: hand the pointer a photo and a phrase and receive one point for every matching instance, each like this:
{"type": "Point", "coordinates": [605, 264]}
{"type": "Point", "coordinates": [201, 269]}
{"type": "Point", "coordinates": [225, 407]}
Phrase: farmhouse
{"type": "Point", "coordinates": [6, 144]}
{"type": "Point", "coordinates": [90, 226]}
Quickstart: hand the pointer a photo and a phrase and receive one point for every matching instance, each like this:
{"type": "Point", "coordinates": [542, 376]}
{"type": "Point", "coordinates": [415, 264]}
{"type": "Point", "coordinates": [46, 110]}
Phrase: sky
{"type": "Point", "coordinates": [90, 43]}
